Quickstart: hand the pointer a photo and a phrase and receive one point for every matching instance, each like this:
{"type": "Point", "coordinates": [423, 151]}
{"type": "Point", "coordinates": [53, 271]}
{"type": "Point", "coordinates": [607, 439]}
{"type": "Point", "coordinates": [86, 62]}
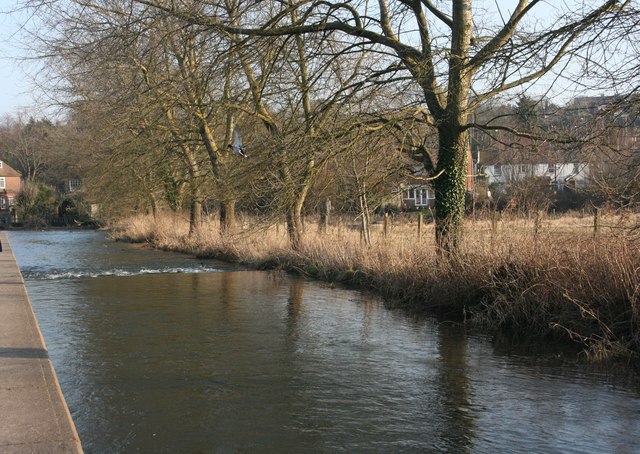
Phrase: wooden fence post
{"type": "Point", "coordinates": [537, 224]}
{"type": "Point", "coordinates": [420, 225]}
{"type": "Point", "coordinates": [494, 228]}
{"type": "Point", "coordinates": [325, 211]}
{"type": "Point", "coordinates": [494, 222]}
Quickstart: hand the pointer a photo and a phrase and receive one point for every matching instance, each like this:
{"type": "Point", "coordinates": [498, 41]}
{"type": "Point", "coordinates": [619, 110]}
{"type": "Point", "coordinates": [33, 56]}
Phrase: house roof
{"type": "Point", "coordinates": [7, 171]}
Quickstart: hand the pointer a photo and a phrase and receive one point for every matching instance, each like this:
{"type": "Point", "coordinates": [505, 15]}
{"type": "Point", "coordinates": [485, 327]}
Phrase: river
{"type": "Point", "coordinates": [158, 352]}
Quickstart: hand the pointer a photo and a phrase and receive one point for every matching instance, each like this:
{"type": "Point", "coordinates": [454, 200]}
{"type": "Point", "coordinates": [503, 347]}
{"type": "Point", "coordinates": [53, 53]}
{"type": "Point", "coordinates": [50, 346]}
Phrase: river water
{"type": "Point", "coordinates": [158, 352]}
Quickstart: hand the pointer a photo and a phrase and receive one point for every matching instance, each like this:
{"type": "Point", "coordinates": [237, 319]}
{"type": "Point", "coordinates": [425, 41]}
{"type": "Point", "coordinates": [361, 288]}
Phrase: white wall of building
{"type": "Point", "coordinates": [576, 174]}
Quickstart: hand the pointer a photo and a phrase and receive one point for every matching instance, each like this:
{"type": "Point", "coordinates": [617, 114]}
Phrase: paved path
{"type": "Point", "coordinates": [34, 417]}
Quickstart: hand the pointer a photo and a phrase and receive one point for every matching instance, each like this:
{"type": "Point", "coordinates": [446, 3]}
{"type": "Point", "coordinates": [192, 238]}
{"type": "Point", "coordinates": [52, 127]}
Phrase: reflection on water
{"type": "Point", "coordinates": [246, 361]}
{"type": "Point", "coordinates": [458, 420]}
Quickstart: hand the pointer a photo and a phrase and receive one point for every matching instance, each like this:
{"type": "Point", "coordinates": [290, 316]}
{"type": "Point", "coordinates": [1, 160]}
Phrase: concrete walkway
{"type": "Point", "coordinates": [34, 417]}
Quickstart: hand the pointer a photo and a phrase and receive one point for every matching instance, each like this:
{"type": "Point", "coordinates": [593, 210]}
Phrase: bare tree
{"type": "Point", "coordinates": [29, 146]}
{"type": "Point", "coordinates": [456, 55]}
{"type": "Point", "coordinates": [298, 87]}
{"type": "Point", "coordinates": [155, 81]}
{"type": "Point", "coordinates": [456, 59]}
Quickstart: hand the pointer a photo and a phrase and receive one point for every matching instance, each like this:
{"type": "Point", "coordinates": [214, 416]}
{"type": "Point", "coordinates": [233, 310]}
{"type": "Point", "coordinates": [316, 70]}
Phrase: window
{"type": "Point", "coordinates": [12, 201]}
{"type": "Point", "coordinates": [497, 170]}
{"type": "Point", "coordinates": [3, 203]}
{"type": "Point", "coordinates": [423, 197]}
{"type": "Point", "coordinates": [552, 168]}
{"type": "Point", "coordinates": [74, 183]}
{"type": "Point", "coordinates": [3, 183]}
{"type": "Point", "coordinates": [1, 164]}
{"type": "Point", "coordinates": [411, 194]}
{"type": "Point", "coordinates": [522, 168]}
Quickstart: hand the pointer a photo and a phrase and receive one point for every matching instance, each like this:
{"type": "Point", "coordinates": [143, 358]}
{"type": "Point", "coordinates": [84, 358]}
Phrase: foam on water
{"type": "Point", "coordinates": [56, 274]}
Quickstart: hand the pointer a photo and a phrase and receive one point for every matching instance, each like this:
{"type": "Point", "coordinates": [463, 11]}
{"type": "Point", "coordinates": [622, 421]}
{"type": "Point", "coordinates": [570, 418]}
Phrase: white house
{"type": "Point", "coordinates": [416, 192]}
{"type": "Point", "coordinates": [561, 175]}
{"type": "Point", "coordinates": [417, 196]}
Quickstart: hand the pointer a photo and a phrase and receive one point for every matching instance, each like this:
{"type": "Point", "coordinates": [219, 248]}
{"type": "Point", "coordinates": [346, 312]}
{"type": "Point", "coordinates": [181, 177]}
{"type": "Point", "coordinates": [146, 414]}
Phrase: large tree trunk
{"type": "Point", "coordinates": [295, 226]}
{"type": "Point", "coordinates": [227, 216]}
{"type": "Point", "coordinates": [453, 138]}
{"type": "Point", "coordinates": [450, 188]}
{"type": "Point", "coordinates": [294, 207]}
{"type": "Point", "coordinates": [195, 207]}
{"type": "Point", "coordinates": [154, 205]}
{"type": "Point", "coordinates": [195, 214]}
{"type": "Point", "coordinates": [365, 220]}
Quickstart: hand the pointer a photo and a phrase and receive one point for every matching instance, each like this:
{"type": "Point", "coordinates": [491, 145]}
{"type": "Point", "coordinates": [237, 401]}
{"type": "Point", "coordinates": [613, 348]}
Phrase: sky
{"type": "Point", "coordinates": [18, 93]}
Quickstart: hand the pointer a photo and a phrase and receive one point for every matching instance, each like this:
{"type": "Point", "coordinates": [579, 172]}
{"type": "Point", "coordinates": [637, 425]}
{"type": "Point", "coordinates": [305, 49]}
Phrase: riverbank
{"type": "Point", "coordinates": [528, 278]}
{"type": "Point", "coordinates": [33, 413]}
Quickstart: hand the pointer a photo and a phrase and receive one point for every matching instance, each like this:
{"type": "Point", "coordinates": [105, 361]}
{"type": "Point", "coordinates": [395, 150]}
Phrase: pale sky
{"type": "Point", "coordinates": [18, 93]}
{"type": "Point", "coordinates": [15, 87]}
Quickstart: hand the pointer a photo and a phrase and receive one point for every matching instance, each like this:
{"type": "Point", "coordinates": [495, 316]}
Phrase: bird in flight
{"type": "Point", "coordinates": [237, 143]}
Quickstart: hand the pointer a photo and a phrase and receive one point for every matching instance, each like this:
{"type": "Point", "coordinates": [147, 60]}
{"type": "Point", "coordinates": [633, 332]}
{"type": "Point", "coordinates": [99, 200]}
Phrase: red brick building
{"type": "Point", "coordinates": [10, 185]}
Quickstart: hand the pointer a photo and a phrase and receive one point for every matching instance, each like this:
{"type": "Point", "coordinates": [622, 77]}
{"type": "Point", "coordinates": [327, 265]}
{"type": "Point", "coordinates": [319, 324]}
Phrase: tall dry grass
{"type": "Point", "coordinates": [528, 277]}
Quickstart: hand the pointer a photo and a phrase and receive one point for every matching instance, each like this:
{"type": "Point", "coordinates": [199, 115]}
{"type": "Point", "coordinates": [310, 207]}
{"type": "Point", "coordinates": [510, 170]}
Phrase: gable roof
{"type": "Point", "coordinates": [7, 171]}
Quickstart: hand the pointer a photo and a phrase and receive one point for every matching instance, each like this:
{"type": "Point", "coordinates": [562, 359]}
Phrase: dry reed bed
{"type": "Point", "coordinates": [553, 277]}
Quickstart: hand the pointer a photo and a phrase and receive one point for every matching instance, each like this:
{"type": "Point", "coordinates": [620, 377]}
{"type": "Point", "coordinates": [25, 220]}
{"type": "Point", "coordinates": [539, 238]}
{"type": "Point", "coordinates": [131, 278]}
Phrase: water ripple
{"type": "Point", "coordinates": [35, 274]}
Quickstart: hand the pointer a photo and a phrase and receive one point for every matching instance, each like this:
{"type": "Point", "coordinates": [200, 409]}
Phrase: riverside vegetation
{"type": "Point", "coordinates": [543, 277]}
